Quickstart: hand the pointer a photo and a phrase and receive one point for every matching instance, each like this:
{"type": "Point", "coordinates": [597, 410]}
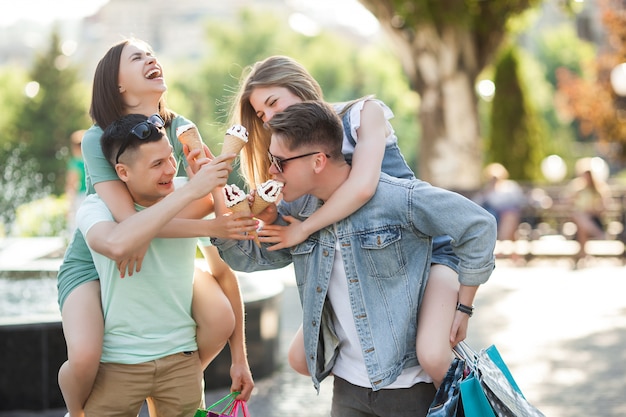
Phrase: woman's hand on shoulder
{"type": "Point", "coordinates": [283, 236]}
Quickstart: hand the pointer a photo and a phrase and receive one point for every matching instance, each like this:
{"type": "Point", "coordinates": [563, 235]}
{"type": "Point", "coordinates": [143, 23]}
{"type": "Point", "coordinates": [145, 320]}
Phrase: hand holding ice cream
{"type": "Point", "coordinates": [237, 202]}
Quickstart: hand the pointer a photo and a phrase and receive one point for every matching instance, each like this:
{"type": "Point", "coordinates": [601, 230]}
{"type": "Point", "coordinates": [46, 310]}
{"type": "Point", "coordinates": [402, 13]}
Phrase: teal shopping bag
{"type": "Point", "coordinates": [500, 388]}
{"type": "Point", "coordinates": [494, 355]}
{"type": "Point", "coordinates": [475, 404]}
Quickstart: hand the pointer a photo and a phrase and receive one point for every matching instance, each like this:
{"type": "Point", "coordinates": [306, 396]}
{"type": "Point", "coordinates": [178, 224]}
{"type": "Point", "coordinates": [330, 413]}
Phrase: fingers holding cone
{"type": "Point", "coordinates": [237, 201]}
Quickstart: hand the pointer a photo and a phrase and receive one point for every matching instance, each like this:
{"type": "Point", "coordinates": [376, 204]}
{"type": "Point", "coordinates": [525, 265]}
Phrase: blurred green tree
{"type": "Point", "coordinates": [517, 132]}
{"type": "Point", "coordinates": [443, 47]}
{"type": "Point", "coordinates": [56, 106]}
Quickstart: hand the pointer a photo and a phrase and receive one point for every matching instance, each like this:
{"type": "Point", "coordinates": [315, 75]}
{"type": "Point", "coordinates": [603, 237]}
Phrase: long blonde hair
{"type": "Point", "coordinates": [275, 71]}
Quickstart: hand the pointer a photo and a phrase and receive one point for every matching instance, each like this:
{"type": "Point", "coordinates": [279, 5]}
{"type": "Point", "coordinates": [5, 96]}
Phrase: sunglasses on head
{"type": "Point", "coordinates": [141, 131]}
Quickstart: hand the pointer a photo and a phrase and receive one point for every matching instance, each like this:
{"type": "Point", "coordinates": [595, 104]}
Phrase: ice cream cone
{"type": "Point", "coordinates": [259, 205]}
{"type": "Point", "coordinates": [241, 207]}
{"type": "Point", "coordinates": [235, 139]}
{"type": "Point", "coordinates": [266, 194]}
{"type": "Point", "coordinates": [188, 135]}
{"type": "Point", "coordinates": [237, 201]}
{"type": "Point", "coordinates": [244, 207]}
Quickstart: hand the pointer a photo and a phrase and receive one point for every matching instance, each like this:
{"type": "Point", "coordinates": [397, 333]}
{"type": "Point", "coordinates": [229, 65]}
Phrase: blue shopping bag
{"type": "Point", "coordinates": [446, 401]}
{"type": "Point", "coordinates": [475, 404]}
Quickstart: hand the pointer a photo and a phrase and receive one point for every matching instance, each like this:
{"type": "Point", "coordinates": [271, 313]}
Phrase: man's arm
{"type": "Point", "coordinates": [246, 256]}
{"type": "Point", "coordinates": [473, 230]}
{"type": "Point", "coordinates": [118, 241]}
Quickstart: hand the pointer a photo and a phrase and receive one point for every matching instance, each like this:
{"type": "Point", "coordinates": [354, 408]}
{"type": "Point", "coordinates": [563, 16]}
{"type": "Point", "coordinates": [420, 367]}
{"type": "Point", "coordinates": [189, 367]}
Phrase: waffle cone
{"type": "Point", "coordinates": [243, 207]}
{"type": "Point", "coordinates": [232, 144]}
{"type": "Point", "coordinates": [259, 205]}
{"type": "Point", "coordinates": [191, 138]}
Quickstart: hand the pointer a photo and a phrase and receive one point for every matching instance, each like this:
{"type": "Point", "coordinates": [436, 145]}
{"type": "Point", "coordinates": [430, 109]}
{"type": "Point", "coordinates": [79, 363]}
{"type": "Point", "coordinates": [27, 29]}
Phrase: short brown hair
{"type": "Point", "coordinates": [309, 124]}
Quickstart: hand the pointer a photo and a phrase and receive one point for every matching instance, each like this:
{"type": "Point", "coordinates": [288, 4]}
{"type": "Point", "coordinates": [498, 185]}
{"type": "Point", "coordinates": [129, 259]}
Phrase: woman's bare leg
{"type": "Point", "coordinates": [213, 314]}
{"type": "Point", "coordinates": [83, 327]}
{"type": "Point", "coordinates": [296, 354]}
{"type": "Point", "coordinates": [435, 321]}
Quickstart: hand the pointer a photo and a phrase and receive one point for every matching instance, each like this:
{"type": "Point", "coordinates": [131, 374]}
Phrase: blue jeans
{"type": "Point", "coordinates": [354, 401]}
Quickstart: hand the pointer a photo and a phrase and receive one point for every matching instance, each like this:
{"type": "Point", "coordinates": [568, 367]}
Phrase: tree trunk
{"type": "Point", "coordinates": [442, 68]}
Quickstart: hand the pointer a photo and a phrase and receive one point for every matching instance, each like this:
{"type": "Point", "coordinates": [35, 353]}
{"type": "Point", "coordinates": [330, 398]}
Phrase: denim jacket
{"type": "Point", "coordinates": [386, 249]}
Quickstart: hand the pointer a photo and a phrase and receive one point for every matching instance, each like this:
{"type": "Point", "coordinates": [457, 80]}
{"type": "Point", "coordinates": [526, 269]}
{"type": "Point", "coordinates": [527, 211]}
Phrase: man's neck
{"type": "Point", "coordinates": [332, 178]}
{"type": "Point", "coordinates": [143, 201]}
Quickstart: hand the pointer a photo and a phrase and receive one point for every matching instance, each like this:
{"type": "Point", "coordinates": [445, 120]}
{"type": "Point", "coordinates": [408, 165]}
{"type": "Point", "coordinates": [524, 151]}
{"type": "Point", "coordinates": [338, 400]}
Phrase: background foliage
{"type": "Point", "coordinates": [35, 132]}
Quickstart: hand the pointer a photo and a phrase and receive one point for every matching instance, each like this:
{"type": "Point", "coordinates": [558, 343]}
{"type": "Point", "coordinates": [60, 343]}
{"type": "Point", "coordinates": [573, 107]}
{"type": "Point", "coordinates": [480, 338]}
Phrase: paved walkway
{"type": "Point", "coordinates": [561, 331]}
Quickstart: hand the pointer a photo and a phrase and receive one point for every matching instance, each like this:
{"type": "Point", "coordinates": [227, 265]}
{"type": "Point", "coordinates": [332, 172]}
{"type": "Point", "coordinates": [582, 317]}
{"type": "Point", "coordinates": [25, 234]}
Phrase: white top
{"type": "Point", "coordinates": [350, 364]}
{"type": "Point", "coordinates": [355, 122]}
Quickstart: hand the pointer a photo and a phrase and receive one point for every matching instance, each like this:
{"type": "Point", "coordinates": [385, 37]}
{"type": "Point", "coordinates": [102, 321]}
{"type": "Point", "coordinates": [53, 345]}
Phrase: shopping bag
{"type": "Point", "coordinates": [500, 388]}
{"type": "Point", "coordinates": [490, 389]}
{"type": "Point", "coordinates": [475, 403]}
{"type": "Point", "coordinates": [226, 403]}
{"type": "Point", "coordinates": [446, 401]}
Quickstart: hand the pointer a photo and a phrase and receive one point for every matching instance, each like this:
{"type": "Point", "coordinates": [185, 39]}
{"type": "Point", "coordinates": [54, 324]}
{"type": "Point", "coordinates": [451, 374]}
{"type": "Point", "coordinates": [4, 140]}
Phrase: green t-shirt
{"type": "Point", "coordinates": [77, 267]}
{"type": "Point", "coordinates": [147, 315]}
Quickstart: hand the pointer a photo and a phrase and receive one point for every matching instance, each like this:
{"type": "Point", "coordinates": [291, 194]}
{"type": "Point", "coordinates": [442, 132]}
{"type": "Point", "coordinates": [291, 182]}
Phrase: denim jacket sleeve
{"type": "Point", "coordinates": [246, 256]}
{"type": "Point", "coordinates": [436, 211]}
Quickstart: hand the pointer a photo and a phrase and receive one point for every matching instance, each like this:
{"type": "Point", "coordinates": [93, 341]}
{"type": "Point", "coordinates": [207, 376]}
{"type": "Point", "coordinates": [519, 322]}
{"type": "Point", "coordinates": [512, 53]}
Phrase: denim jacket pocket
{"type": "Point", "coordinates": [303, 251]}
{"type": "Point", "coordinates": [383, 253]}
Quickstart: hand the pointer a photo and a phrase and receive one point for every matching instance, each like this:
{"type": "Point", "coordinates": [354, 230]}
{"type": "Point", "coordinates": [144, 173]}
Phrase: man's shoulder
{"type": "Point", "coordinates": [301, 207]}
{"type": "Point", "coordinates": [388, 181]}
{"type": "Point", "coordinates": [93, 206]}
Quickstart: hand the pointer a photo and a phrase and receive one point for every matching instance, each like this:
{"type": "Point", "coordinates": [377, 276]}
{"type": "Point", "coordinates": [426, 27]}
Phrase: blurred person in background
{"type": "Point", "coordinates": [503, 198]}
{"type": "Point", "coordinates": [75, 185]}
{"type": "Point", "coordinates": [588, 195]}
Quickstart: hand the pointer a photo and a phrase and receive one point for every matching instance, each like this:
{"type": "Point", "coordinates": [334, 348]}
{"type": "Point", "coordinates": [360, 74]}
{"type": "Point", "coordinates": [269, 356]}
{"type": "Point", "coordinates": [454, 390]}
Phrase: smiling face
{"type": "Point", "coordinates": [140, 73]}
{"type": "Point", "coordinates": [150, 172]}
{"type": "Point", "coordinates": [267, 101]}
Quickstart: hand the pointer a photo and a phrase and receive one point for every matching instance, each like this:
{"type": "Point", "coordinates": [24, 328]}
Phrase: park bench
{"type": "Point", "coordinates": [546, 229]}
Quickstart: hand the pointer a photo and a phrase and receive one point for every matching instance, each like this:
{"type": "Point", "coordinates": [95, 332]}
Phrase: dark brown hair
{"type": "Point", "coordinates": [107, 104]}
{"type": "Point", "coordinates": [118, 133]}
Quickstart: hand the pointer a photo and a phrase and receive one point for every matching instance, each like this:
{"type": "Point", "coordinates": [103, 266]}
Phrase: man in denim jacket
{"type": "Point", "coordinates": [362, 280]}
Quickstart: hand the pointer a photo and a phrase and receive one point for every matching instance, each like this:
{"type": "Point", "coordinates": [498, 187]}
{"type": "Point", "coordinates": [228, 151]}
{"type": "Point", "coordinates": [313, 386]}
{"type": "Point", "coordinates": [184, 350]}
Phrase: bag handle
{"type": "Point", "coordinates": [237, 404]}
{"type": "Point", "coordinates": [463, 351]}
{"type": "Point", "coordinates": [230, 398]}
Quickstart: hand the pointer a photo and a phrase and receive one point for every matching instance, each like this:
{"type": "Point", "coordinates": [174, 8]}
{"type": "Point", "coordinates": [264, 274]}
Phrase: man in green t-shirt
{"type": "Point", "coordinates": [149, 348]}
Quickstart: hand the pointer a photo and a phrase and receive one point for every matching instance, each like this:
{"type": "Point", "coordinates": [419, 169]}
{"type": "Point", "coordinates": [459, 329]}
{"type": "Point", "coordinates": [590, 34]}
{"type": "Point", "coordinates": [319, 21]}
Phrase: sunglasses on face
{"type": "Point", "coordinates": [278, 163]}
{"type": "Point", "coordinates": [141, 131]}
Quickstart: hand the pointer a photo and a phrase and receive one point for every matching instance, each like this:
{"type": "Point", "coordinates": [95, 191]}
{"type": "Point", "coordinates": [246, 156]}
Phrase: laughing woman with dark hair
{"type": "Point", "coordinates": [129, 79]}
